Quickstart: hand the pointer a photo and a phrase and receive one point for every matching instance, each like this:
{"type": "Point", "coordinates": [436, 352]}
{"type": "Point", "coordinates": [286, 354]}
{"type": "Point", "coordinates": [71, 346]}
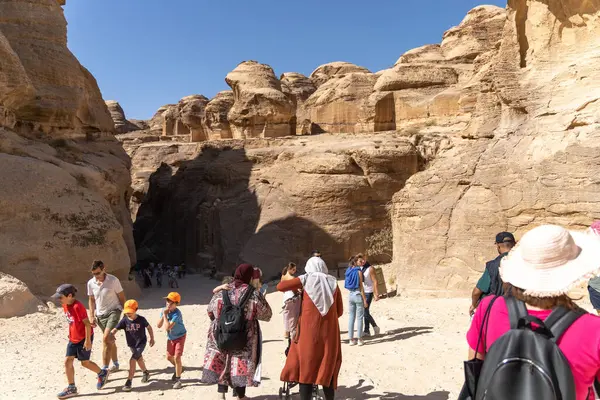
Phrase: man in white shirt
{"type": "Point", "coordinates": [106, 300]}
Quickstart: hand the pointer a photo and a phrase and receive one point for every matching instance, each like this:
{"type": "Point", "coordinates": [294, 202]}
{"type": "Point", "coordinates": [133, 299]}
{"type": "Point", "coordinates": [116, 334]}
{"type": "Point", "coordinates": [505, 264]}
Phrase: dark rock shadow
{"type": "Point", "coordinates": [204, 212]}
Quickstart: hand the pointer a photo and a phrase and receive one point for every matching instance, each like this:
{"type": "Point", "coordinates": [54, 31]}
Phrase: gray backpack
{"type": "Point", "coordinates": [525, 362]}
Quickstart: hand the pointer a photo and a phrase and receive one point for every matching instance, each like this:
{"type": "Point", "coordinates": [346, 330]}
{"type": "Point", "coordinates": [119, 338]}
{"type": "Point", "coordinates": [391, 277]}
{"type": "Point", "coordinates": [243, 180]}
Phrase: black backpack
{"type": "Point", "coordinates": [232, 332]}
{"type": "Point", "coordinates": [525, 363]}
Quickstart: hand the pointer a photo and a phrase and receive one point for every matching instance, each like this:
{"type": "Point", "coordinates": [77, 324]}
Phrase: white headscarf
{"type": "Point", "coordinates": [318, 285]}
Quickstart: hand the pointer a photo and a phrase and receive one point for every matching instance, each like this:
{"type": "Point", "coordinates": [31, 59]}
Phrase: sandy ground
{"type": "Point", "coordinates": [418, 358]}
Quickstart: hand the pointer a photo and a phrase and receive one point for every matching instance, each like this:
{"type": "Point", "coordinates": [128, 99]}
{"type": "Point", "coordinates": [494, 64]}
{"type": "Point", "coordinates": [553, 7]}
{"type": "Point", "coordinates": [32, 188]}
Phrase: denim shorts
{"type": "Point", "coordinates": [136, 352]}
{"type": "Point", "coordinates": [594, 297]}
{"type": "Point", "coordinates": [78, 351]}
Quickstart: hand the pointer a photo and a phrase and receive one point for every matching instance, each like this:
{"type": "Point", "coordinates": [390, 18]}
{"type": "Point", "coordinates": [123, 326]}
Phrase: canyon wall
{"type": "Point", "coordinates": [65, 179]}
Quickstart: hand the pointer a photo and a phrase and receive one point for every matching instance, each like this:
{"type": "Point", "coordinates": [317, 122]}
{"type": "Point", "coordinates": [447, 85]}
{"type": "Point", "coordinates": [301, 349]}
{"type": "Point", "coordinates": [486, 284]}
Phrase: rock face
{"type": "Point", "coordinates": [336, 105]}
{"type": "Point", "coordinates": [298, 88]}
{"type": "Point", "coordinates": [267, 201]}
{"type": "Point", "coordinates": [325, 72]}
{"type": "Point", "coordinates": [535, 116]}
{"type": "Point", "coordinates": [216, 111]}
{"type": "Point", "coordinates": [122, 125]}
{"type": "Point", "coordinates": [185, 118]}
{"type": "Point", "coordinates": [260, 108]}
{"type": "Point", "coordinates": [15, 298]}
{"type": "Point", "coordinates": [65, 179]}
{"type": "Point", "coordinates": [43, 83]}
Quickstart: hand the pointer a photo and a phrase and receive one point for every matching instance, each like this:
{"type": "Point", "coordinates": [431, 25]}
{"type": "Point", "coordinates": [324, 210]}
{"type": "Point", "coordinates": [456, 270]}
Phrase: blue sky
{"type": "Point", "coordinates": [146, 53]}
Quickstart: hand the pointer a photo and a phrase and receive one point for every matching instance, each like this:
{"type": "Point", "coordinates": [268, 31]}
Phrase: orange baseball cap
{"type": "Point", "coordinates": [131, 306]}
{"type": "Point", "coordinates": [174, 297]}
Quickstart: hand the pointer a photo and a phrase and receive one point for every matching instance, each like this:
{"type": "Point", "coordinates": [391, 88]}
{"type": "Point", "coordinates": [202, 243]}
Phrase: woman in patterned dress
{"type": "Point", "coordinates": [239, 369]}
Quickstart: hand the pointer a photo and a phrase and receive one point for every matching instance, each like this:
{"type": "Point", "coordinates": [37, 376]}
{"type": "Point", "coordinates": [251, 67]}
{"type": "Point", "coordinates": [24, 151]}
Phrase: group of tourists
{"type": "Point", "coordinates": [159, 270]}
{"type": "Point", "coordinates": [110, 312]}
{"type": "Point", "coordinates": [525, 327]}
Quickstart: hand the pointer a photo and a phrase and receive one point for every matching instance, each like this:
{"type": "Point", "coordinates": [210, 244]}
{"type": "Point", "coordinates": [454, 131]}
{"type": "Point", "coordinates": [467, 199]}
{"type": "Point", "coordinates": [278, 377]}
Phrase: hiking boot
{"type": "Point", "coordinates": [361, 342]}
{"type": "Point", "coordinates": [127, 387]}
{"type": "Point", "coordinates": [102, 378]}
{"type": "Point", "coordinates": [114, 368]}
{"type": "Point", "coordinates": [177, 384]}
{"type": "Point", "coordinates": [377, 330]}
{"type": "Point", "coordinates": [145, 376]}
{"type": "Point", "coordinates": [69, 391]}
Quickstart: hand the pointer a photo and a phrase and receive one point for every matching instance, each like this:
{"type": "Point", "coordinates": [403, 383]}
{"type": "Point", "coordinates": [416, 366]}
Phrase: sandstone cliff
{"type": "Point", "coordinates": [65, 179]}
{"type": "Point", "coordinates": [530, 152]}
{"type": "Point", "coordinates": [260, 108]}
{"type": "Point", "coordinates": [265, 201]}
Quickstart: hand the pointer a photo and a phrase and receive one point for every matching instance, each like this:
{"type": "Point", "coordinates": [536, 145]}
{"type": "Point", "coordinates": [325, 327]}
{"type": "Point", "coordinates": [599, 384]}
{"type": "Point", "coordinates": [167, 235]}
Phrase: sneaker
{"type": "Point", "coordinates": [70, 391]}
{"type": "Point", "coordinates": [352, 342]}
{"type": "Point", "coordinates": [177, 384]}
{"type": "Point", "coordinates": [174, 376]}
{"type": "Point", "coordinates": [114, 368]}
{"type": "Point", "coordinates": [127, 387]}
{"type": "Point", "coordinates": [145, 376]}
{"type": "Point", "coordinates": [377, 330]}
{"type": "Point", "coordinates": [366, 334]}
{"type": "Point", "coordinates": [102, 378]}
{"type": "Point", "coordinates": [361, 342]}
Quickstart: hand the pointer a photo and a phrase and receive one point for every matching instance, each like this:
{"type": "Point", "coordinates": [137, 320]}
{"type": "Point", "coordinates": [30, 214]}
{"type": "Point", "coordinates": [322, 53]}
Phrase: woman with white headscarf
{"type": "Point", "coordinates": [315, 356]}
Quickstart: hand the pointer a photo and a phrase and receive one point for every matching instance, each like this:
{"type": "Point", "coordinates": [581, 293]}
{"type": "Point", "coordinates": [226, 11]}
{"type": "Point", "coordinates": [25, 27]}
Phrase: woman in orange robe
{"type": "Point", "coordinates": [315, 355]}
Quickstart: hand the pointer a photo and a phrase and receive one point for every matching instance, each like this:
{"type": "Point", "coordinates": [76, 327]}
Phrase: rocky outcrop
{"type": "Point", "coordinates": [15, 298]}
{"type": "Point", "coordinates": [122, 125]}
{"type": "Point", "coordinates": [267, 201]}
{"type": "Point", "coordinates": [54, 91]}
{"type": "Point", "coordinates": [479, 32]}
{"type": "Point", "coordinates": [336, 105]}
{"type": "Point", "coordinates": [216, 111]}
{"type": "Point", "coordinates": [65, 179]}
{"type": "Point", "coordinates": [299, 88]}
{"type": "Point", "coordinates": [326, 71]}
{"type": "Point", "coordinates": [535, 121]}
{"type": "Point", "coordinates": [186, 118]}
{"type": "Point", "coordinates": [260, 108]}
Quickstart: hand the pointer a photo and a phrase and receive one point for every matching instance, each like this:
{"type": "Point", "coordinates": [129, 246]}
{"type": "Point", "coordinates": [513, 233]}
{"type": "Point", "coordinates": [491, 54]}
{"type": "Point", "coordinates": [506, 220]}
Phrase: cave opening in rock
{"type": "Point", "coordinates": [385, 114]}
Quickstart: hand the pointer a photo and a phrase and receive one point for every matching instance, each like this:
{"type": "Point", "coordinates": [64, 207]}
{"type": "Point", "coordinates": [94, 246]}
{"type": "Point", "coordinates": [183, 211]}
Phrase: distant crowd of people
{"type": "Point", "coordinates": [157, 271]}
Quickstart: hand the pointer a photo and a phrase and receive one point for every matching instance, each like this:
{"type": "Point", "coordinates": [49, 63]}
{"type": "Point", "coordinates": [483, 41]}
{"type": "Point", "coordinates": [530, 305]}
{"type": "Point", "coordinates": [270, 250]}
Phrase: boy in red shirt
{"type": "Point", "coordinates": [80, 339]}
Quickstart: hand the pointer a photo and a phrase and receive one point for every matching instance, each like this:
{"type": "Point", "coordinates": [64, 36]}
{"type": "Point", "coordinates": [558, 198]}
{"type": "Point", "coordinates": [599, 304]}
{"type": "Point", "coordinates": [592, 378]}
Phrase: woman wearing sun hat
{"type": "Point", "coordinates": [547, 263]}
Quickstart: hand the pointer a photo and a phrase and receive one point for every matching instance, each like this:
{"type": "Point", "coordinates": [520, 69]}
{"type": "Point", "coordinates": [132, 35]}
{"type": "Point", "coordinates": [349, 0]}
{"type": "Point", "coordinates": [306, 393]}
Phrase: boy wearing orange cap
{"type": "Point", "coordinates": [172, 319]}
{"type": "Point", "coordinates": [135, 332]}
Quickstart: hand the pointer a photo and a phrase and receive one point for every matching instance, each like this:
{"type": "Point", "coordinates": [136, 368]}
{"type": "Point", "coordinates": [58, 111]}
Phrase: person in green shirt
{"type": "Point", "coordinates": [490, 281]}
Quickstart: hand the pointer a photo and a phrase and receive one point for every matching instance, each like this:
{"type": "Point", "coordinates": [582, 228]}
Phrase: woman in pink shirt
{"type": "Point", "coordinates": [547, 263]}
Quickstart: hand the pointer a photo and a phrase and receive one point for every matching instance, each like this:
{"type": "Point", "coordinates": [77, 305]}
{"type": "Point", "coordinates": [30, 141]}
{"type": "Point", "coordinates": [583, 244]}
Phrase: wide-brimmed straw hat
{"type": "Point", "coordinates": [549, 261]}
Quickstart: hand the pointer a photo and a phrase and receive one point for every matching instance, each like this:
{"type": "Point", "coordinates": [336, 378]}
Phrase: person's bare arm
{"type": "Point", "coordinates": [151, 334]}
{"type": "Point", "coordinates": [472, 354]}
{"type": "Point", "coordinates": [362, 289]}
{"type": "Point", "coordinates": [374, 278]}
{"type": "Point", "coordinates": [88, 335]}
{"type": "Point", "coordinates": [475, 296]}
{"type": "Point", "coordinates": [225, 286]}
{"type": "Point", "coordinates": [122, 299]}
{"type": "Point", "coordinates": [92, 306]}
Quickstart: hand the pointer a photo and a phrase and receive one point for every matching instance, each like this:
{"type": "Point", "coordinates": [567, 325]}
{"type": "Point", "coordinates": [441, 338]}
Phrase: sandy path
{"type": "Point", "coordinates": [419, 358]}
